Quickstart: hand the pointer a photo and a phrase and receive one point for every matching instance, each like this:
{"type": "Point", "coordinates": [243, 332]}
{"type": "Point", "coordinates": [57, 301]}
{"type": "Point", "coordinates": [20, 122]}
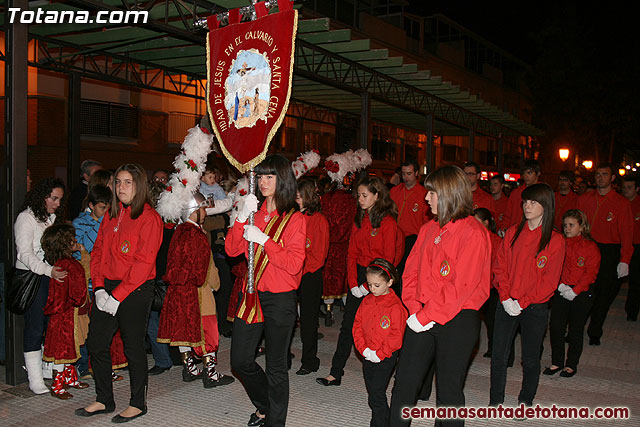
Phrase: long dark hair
{"type": "Point", "coordinates": [141, 196]}
{"type": "Point", "coordinates": [382, 207]}
{"type": "Point", "coordinates": [383, 268]}
{"type": "Point", "coordinates": [35, 199]}
{"type": "Point", "coordinates": [309, 195]}
{"type": "Point", "coordinates": [484, 214]}
{"type": "Point", "coordinates": [286, 185]}
{"type": "Point", "coordinates": [57, 242]}
{"type": "Point", "coordinates": [543, 194]}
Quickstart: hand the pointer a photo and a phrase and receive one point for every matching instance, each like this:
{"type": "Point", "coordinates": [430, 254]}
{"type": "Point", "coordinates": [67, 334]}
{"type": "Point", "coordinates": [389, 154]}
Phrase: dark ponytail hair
{"type": "Point", "coordinates": [485, 215]}
{"type": "Point", "coordinates": [384, 268]}
{"type": "Point", "coordinates": [543, 194]}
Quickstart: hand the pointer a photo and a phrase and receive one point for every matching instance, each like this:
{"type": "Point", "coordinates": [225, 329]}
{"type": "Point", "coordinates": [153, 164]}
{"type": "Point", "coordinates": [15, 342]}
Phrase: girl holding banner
{"type": "Point", "coordinates": [280, 232]}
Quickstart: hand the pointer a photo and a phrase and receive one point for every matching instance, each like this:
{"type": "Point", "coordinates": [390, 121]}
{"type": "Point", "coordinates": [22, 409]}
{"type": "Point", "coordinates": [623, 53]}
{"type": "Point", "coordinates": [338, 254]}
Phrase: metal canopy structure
{"type": "Point", "coordinates": [332, 68]}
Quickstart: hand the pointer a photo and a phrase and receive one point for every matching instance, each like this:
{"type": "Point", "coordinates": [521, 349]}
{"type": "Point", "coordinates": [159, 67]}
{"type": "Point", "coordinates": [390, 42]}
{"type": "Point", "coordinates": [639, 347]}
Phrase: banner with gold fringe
{"type": "Point", "coordinates": [249, 71]}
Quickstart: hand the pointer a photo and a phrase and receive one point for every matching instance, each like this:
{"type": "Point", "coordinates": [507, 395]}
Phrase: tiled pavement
{"type": "Point", "coordinates": [608, 375]}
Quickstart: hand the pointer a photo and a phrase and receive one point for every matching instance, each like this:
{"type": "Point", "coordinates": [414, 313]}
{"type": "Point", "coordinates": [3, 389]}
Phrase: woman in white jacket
{"type": "Point", "coordinates": [39, 212]}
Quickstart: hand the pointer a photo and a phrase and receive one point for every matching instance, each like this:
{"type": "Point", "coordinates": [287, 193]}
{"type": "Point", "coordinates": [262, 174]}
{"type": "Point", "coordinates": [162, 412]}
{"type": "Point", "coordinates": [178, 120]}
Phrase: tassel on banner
{"type": "Point", "coordinates": [234, 16]}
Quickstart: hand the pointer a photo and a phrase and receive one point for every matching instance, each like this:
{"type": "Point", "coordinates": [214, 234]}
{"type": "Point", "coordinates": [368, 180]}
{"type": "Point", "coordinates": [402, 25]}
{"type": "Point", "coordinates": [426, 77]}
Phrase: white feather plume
{"type": "Point", "coordinates": [305, 162]}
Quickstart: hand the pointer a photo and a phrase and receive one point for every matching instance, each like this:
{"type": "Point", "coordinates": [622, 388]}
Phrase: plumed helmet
{"type": "Point", "coordinates": [195, 202]}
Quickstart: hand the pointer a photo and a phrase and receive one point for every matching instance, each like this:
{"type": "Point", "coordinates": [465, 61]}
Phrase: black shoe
{"type": "Point", "coordinates": [118, 419]}
{"type": "Point", "coordinates": [550, 371]}
{"type": "Point", "coordinates": [255, 420]}
{"type": "Point", "coordinates": [304, 371]}
{"type": "Point", "coordinates": [209, 382]}
{"type": "Point", "coordinates": [320, 335]}
{"type": "Point", "coordinates": [84, 413]}
{"type": "Point", "coordinates": [326, 382]}
{"type": "Point", "coordinates": [157, 370]}
{"type": "Point", "coordinates": [594, 341]}
{"type": "Point", "coordinates": [487, 354]}
{"type": "Point", "coordinates": [631, 318]}
{"type": "Point", "coordinates": [566, 374]}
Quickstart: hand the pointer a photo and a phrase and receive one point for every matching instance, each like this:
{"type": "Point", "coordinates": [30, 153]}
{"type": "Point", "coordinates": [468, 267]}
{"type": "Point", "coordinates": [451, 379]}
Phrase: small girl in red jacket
{"type": "Point", "coordinates": [573, 301]}
{"type": "Point", "coordinates": [378, 329]}
{"type": "Point", "coordinates": [63, 339]}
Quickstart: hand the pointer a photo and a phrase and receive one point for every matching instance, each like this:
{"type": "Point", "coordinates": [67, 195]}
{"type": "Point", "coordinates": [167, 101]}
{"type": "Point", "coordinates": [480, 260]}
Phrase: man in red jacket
{"type": "Point", "coordinates": [565, 197]}
{"type": "Point", "coordinates": [500, 201]}
{"type": "Point", "coordinates": [612, 228]}
{"type": "Point", "coordinates": [481, 199]}
{"type": "Point", "coordinates": [413, 210]}
{"type": "Point", "coordinates": [630, 189]}
{"type": "Point", "coordinates": [530, 175]}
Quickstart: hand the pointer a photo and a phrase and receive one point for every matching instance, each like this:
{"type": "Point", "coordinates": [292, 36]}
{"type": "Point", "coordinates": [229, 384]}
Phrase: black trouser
{"type": "Point", "coordinates": [632, 306]}
{"type": "Point", "coordinates": [224, 293]}
{"type": "Point", "coordinates": [450, 347]}
{"type": "Point", "coordinates": [309, 296]}
{"type": "Point", "coordinates": [489, 312]}
{"type": "Point", "coordinates": [376, 378]}
{"type": "Point", "coordinates": [345, 339]}
{"type": "Point", "coordinates": [533, 324]}
{"type": "Point", "coordinates": [574, 313]}
{"type": "Point", "coordinates": [605, 288]}
{"type": "Point", "coordinates": [35, 321]}
{"type": "Point", "coordinates": [131, 318]}
{"type": "Point", "coordinates": [268, 391]}
{"type": "Point", "coordinates": [409, 241]}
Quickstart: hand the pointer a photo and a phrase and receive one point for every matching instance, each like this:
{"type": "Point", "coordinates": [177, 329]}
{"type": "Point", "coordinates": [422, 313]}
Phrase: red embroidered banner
{"type": "Point", "coordinates": [249, 70]}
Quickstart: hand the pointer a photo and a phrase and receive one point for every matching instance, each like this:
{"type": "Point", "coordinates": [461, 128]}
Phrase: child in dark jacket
{"type": "Point", "coordinates": [378, 329]}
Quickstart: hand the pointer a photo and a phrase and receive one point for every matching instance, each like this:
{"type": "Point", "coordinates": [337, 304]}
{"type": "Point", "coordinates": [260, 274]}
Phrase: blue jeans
{"type": "Point", "coordinates": [160, 351]}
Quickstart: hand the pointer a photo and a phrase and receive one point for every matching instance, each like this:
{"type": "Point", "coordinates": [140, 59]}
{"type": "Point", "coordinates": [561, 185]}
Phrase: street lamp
{"type": "Point", "coordinates": [563, 153]}
{"type": "Point", "coordinates": [622, 171]}
{"type": "Point", "coordinates": [588, 164]}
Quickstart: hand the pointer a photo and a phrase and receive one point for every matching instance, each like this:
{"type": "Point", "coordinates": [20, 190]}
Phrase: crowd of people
{"type": "Point", "coordinates": [417, 266]}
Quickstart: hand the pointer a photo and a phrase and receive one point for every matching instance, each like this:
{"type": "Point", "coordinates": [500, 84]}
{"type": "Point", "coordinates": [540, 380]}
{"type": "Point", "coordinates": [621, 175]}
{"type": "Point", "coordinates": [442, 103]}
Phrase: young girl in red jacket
{"type": "Point", "coordinates": [377, 334]}
{"type": "Point", "coordinates": [573, 300]}
{"type": "Point", "coordinates": [310, 290]}
{"type": "Point", "coordinates": [374, 235]}
{"type": "Point", "coordinates": [445, 282]}
{"type": "Point", "coordinates": [63, 339]}
{"type": "Point", "coordinates": [527, 272]}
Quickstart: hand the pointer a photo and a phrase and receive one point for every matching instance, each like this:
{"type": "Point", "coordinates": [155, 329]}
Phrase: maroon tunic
{"type": "Point", "coordinates": [187, 264]}
{"type": "Point", "coordinates": [339, 207]}
{"type": "Point", "coordinates": [62, 343]}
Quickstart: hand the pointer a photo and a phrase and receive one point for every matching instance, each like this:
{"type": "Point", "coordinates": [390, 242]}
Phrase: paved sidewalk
{"type": "Point", "coordinates": [608, 375]}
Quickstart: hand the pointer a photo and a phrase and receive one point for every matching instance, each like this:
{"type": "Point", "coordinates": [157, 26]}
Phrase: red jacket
{"type": "Point", "coordinates": [379, 324]}
{"type": "Point", "coordinates": [482, 199]}
{"type": "Point", "coordinates": [128, 254]}
{"type": "Point", "coordinates": [523, 274]}
{"type": "Point", "coordinates": [635, 212]}
{"type": "Point", "coordinates": [611, 220]}
{"type": "Point", "coordinates": [513, 216]}
{"type": "Point", "coordinates": [581, 263]}
{"type": "Point", "coordinates": [368, 243]}
{"type": "Point", "coordinates": [317, 243]}
{"type": "Point", "coordinates": [441, 279]}
{"type": "Point", "coordinates": [501, 206]}
{"type": "Point", "coordinates": [496, 241]}
{"type": "Point", "coordinates": [284, 270]}
{"type": "Point", "coordinates": [563, 204]}
{"type": "Point", "coordinates": [413, 210]}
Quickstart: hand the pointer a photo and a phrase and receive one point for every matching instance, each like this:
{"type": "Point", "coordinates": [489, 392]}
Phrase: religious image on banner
{"type": "Point", "coordinates": [247, 88]}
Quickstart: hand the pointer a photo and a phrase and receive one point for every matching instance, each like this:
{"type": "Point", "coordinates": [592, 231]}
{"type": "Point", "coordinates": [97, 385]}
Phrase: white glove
{"type": "Point", "coordinates": [511, 307]}
{"type": "Point", "coordinates": [253, 234]}
{"type": "Point", "coordinates": [101, 297]}
{"type": "Point", "coordinates": [562, 287]}
{"type": "Point", "coordinates": [429, 325]}
{"type": "Point", "coordinates": [373, 357]}
{"type": "Point", "coordinates": [364, 290]}
{"type": "Point", "coordinates": [568, 294]}
{"type": "Point", "coordinates": [111, 306]}
{"type": "Point", "coordinates": [623, 269]}
{"type": "Point", "coordinates": [356, 292]}
{"type": "Point", "coordinates": [517, 305]}
{"type": "Point", "coordinates": [250, 206]}
{"type": "Point", "coordinates": [367, 353]}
